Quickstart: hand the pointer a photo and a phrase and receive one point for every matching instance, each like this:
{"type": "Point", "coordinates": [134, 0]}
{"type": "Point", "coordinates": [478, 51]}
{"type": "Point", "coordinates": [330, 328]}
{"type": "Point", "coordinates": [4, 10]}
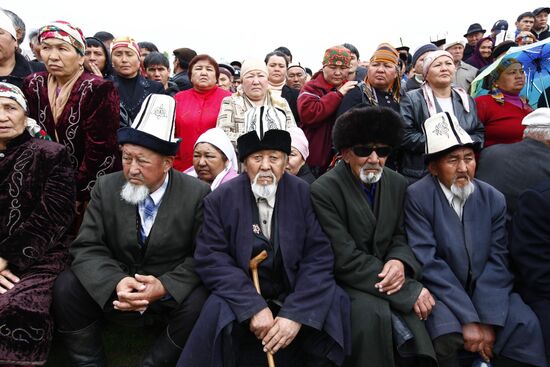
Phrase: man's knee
{"type": "Point", "coordinates": [447, 346]}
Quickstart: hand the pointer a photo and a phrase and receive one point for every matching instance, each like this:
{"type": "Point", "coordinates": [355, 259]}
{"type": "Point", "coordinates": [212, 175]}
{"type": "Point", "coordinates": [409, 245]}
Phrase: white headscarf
{"type": "Point", "coordinates": [219, 139]}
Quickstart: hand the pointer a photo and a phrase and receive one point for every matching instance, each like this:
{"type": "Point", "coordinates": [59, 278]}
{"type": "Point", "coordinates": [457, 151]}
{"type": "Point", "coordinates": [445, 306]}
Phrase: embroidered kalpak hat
{"type": "Point", "coordinates": [153, 127]}
{"type": "Point", "coordinates": [443, 133]}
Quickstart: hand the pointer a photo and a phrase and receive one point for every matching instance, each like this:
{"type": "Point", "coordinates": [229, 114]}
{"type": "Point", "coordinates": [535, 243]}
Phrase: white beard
{"type": "Point", "coordinates": [370, 177]}
{"type": "Point", "coordinates": [463, 193]}
{"type": "Point", "coordinates": [264, 191]}
{"type": "Point", "coordinates": [134, 194]}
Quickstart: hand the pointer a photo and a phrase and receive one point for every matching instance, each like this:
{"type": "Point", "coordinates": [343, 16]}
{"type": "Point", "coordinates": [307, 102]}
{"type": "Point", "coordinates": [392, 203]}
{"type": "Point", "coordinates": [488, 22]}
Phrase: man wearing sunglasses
{"type": "Point", "coordinates": [360, 206]}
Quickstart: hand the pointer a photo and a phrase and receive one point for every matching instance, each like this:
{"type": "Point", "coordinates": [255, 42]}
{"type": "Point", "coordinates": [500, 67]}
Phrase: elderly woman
{"type": "Point", "coordinates": [298, 154]}
{"type": "Point", "coordinates": [241, 111]}
{"type": "Point", "coordinates": [214, 159]}
{"type": "Point", "coordinates": [37, 200]}
{"type": "Point", "coordinates": [483, 53]}
{"type": "Point", "coordinates": [503, 109]}
{"type": "Point", "coordinates": [225, 80]}
{"type": "Point", "coordinates": [132, 86]}
{"type": "Point", "coordinates": [77, 109]}
{"type": "Point", "coordinates": [437, 94]}
{"type": "Point", "coordinates": [197, 108]}
{"type": "Point", "coordinates": [97, 59]}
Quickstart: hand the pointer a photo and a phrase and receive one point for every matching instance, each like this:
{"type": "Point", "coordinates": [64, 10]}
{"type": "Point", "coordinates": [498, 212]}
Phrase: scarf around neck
{"type": "Point", "coordinates": [428, 94]}
{"type": "Point", "coordinates": [59, 100]}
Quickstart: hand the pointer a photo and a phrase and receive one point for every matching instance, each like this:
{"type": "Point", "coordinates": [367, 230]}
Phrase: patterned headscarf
{"type": "Point", "coordinates": [125, 42]}
{"type": "Point", "coordinates": [489, 81]}
{"type": "Point", "coordinates": [66, 32]}
{"type": "Point", "coordinates": [13, 92]}
{"type": "Point", "coordinates": [337, 55]}
{"type": "Point", "coordinates": [385, 53]}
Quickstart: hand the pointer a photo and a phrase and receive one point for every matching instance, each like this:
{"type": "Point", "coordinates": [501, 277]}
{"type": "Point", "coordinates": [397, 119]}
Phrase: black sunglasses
{"type": "Point", "coordinates": [365, 151]}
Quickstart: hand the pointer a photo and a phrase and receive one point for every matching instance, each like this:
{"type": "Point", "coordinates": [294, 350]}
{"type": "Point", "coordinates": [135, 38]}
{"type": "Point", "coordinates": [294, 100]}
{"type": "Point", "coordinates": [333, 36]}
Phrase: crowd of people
{"type": "Point", "coordinates": [370, 213]}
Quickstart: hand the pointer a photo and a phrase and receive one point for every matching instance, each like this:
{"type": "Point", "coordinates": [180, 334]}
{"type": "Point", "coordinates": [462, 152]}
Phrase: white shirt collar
{"type": "Point", "coordinates": [270, 201]}
{"type": "Point", "coordinates": [159, 193]}
{"type": "Point", "coordinates": [448, 193]}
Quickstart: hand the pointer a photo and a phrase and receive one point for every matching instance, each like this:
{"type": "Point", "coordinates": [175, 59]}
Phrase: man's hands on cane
{"type": "Point", "coordinates": [281, 334]}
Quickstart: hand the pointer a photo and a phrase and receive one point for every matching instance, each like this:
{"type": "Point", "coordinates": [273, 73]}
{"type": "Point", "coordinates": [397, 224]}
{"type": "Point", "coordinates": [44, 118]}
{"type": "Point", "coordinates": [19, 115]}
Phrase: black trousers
{"type": "Point", "coordinates": [74, 309]}
{"type": "Point", "coordinates": [450, 352]}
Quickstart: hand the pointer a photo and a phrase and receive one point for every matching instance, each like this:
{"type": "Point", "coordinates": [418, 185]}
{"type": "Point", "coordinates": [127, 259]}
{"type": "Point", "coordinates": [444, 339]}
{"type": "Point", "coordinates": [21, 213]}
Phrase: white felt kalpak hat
{"type": "Point", "coordinates": [443, 132]}
{"type": "Point", "coordinates": [153, 127]}
{"type": "Point", "coordinates": [538, 118]}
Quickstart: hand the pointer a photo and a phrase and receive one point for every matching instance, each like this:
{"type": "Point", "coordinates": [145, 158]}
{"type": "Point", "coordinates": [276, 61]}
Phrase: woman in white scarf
{"type": "Point", "coordinates": [214, 159]}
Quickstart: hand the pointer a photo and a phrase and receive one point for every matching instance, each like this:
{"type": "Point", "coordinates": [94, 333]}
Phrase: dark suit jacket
{"type": "Point", "coordinates": [107, 250]}
{"type": "Point", "coordinates": [291, 96]}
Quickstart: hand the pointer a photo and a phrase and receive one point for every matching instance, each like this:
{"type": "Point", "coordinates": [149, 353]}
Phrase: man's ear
{"type": "Point", "coordinates": [346, 154]}
{"type": "Point", "coordinates": [167, 163]}
{"type": "Point", "coordinates": [432, 168]}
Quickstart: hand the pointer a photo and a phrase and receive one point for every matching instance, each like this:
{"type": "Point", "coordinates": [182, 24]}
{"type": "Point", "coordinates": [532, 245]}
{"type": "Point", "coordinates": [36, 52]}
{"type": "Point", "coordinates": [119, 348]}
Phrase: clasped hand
{"type": "Point", "coordinates": [7, 278]}
{"type": "Point", "coordinates": [275, 333]}
{"type": "Point", "coordinates": [479, 338]}
{"type": "Point", "coordinates": [136, 293]}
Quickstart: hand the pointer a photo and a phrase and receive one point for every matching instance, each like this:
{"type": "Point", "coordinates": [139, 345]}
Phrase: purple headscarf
{"type": "Point", "coordinates": [478, 61]}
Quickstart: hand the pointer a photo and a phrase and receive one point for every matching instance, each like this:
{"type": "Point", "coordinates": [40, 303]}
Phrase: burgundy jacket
{"type": "Point", "coordinates": [317, 105]}
{"type": "Point", "coordinates": [87, 127]}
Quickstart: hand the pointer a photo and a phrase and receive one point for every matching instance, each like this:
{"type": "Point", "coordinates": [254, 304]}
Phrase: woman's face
{"type": "Point", "coordinates": [203, 75]}
{"type": "Point", "coordinates": [208, 161]}
{"type": "Point", "coordinates": [486, 49]}
{"type": "Point", "coordinates": [125, 62]}
{"type": "Point", "coordinates": [12, 120]}
{"type": "Point", "coordinates": [61, 59]}
{"type": "Point", "coordinates": [295, 161]}
{"type": "Point", "coordinates": [276, 68]}
{"type": "Point", "coordinates": [441, 72]}
{"type": "Point", "coordinates": [255, 85]}
{"type": "Point", "coordinates": [95, 55]}
{"type": "Point", "coordinates": [512, 79]}
{"type": "Point", "coordinates": [224, 82]}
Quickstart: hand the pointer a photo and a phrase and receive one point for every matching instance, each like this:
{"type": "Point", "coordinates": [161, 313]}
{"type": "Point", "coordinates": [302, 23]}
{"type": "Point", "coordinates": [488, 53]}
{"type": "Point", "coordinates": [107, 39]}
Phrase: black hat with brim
{"type": "Point", "coordinates": [474, 28]}
{"type": "Point", "coordinates": [129, 135]}
{"type": "Point", "coordinates": [250, 142]}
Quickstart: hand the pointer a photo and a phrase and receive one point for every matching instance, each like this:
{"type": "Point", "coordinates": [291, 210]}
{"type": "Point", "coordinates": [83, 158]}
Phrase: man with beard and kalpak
{"type": "Point", "coordinates": [301, 316]}
{"type": "Point", "coordinates": [360, 206]}
{"type": "Point", "coordinates": [456, 228]}
{"type": "Point", "coordinates": [133, 257]}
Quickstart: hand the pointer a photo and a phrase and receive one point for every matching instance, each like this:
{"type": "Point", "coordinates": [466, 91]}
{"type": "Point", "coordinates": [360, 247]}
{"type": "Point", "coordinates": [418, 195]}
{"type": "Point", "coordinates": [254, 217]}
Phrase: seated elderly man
{"type": "Point", "coordinates": [294, 309]}
{"type": "Point", "coordinates": [456, 228]}
{"type": "Point", "coordinates": [360, 206]}
{"type": "Point", "coordinates": [253, 102]}
{"type": "Point", "coordinates": [133, 254]}
{"type": "Point", "coordinates": [37, 191]}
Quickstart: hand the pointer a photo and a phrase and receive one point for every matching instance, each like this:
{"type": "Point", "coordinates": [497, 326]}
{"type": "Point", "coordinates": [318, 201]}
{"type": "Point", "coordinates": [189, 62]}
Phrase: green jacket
{"type": "Point", "coordinates": [363, 241]}
{"type": "Point", "coordinates": [107, 249]}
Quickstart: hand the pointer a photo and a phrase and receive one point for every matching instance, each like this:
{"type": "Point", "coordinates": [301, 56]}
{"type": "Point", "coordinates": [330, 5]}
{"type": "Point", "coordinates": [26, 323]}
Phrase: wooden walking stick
{"type": "Point", "coordinates": [253, 265]}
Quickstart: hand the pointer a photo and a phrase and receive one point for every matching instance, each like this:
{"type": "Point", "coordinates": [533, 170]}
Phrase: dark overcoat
{"type": "Point", "coordinates": [363, 242]}
{"type": "Point", "coordinates": [530, 250]}
{"type": "Point", "coordinates": [107, 248]}
{"type": "Point", "coordinates": [224, 248]}
{"type": "Point", "coordinates": [465, 266]}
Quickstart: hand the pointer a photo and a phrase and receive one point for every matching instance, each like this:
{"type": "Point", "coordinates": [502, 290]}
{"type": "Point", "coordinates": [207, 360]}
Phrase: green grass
{"type": "Point", "coordinates": [124, 345]}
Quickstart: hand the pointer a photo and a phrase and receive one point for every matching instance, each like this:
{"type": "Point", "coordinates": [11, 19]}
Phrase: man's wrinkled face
{"type": "Point", "coordinates": [296, 77]}
{"type": "Point", "coordinates": [474, 37]}
{"type": "Point", "coordinates": [367, 161]}
{"type": "Point", "coordinates": [541, 20]}
{"type": "Point", "coordinates": [455, 168]}
{"type": "Point", "coordinates": [142, 166]}
{"type": "Point", "coordinates": [457, 51]}
{"type": "Point", "coordinates": [265, 169]}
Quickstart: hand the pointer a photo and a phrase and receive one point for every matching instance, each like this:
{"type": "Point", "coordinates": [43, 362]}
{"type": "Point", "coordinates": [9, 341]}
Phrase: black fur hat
{"type": "Point", "coordinates": [272, 140]}
{"type": "Point", "coordinates": [363, 125]}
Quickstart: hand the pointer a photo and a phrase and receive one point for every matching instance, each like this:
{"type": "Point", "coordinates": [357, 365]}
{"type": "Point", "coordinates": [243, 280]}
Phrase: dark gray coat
{"type": "Point", "coordinates": [414, 111]}
{"type": "Point", "coordinates": [107, 250]}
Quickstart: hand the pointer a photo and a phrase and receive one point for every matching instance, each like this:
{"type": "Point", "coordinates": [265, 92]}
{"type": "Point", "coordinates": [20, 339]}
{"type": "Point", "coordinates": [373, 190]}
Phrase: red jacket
{"type": "Point", "coordinates": [502, 122]}
{"type": "Point", "coordinates": [196, 112]}
{"type": "Point", "coordinates": [317, 105]}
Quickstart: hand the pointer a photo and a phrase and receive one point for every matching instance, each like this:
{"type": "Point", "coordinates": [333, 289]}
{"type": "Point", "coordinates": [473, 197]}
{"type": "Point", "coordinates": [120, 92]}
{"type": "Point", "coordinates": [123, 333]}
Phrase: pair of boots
{"type": "Point", "coordinates": [85, 349]}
